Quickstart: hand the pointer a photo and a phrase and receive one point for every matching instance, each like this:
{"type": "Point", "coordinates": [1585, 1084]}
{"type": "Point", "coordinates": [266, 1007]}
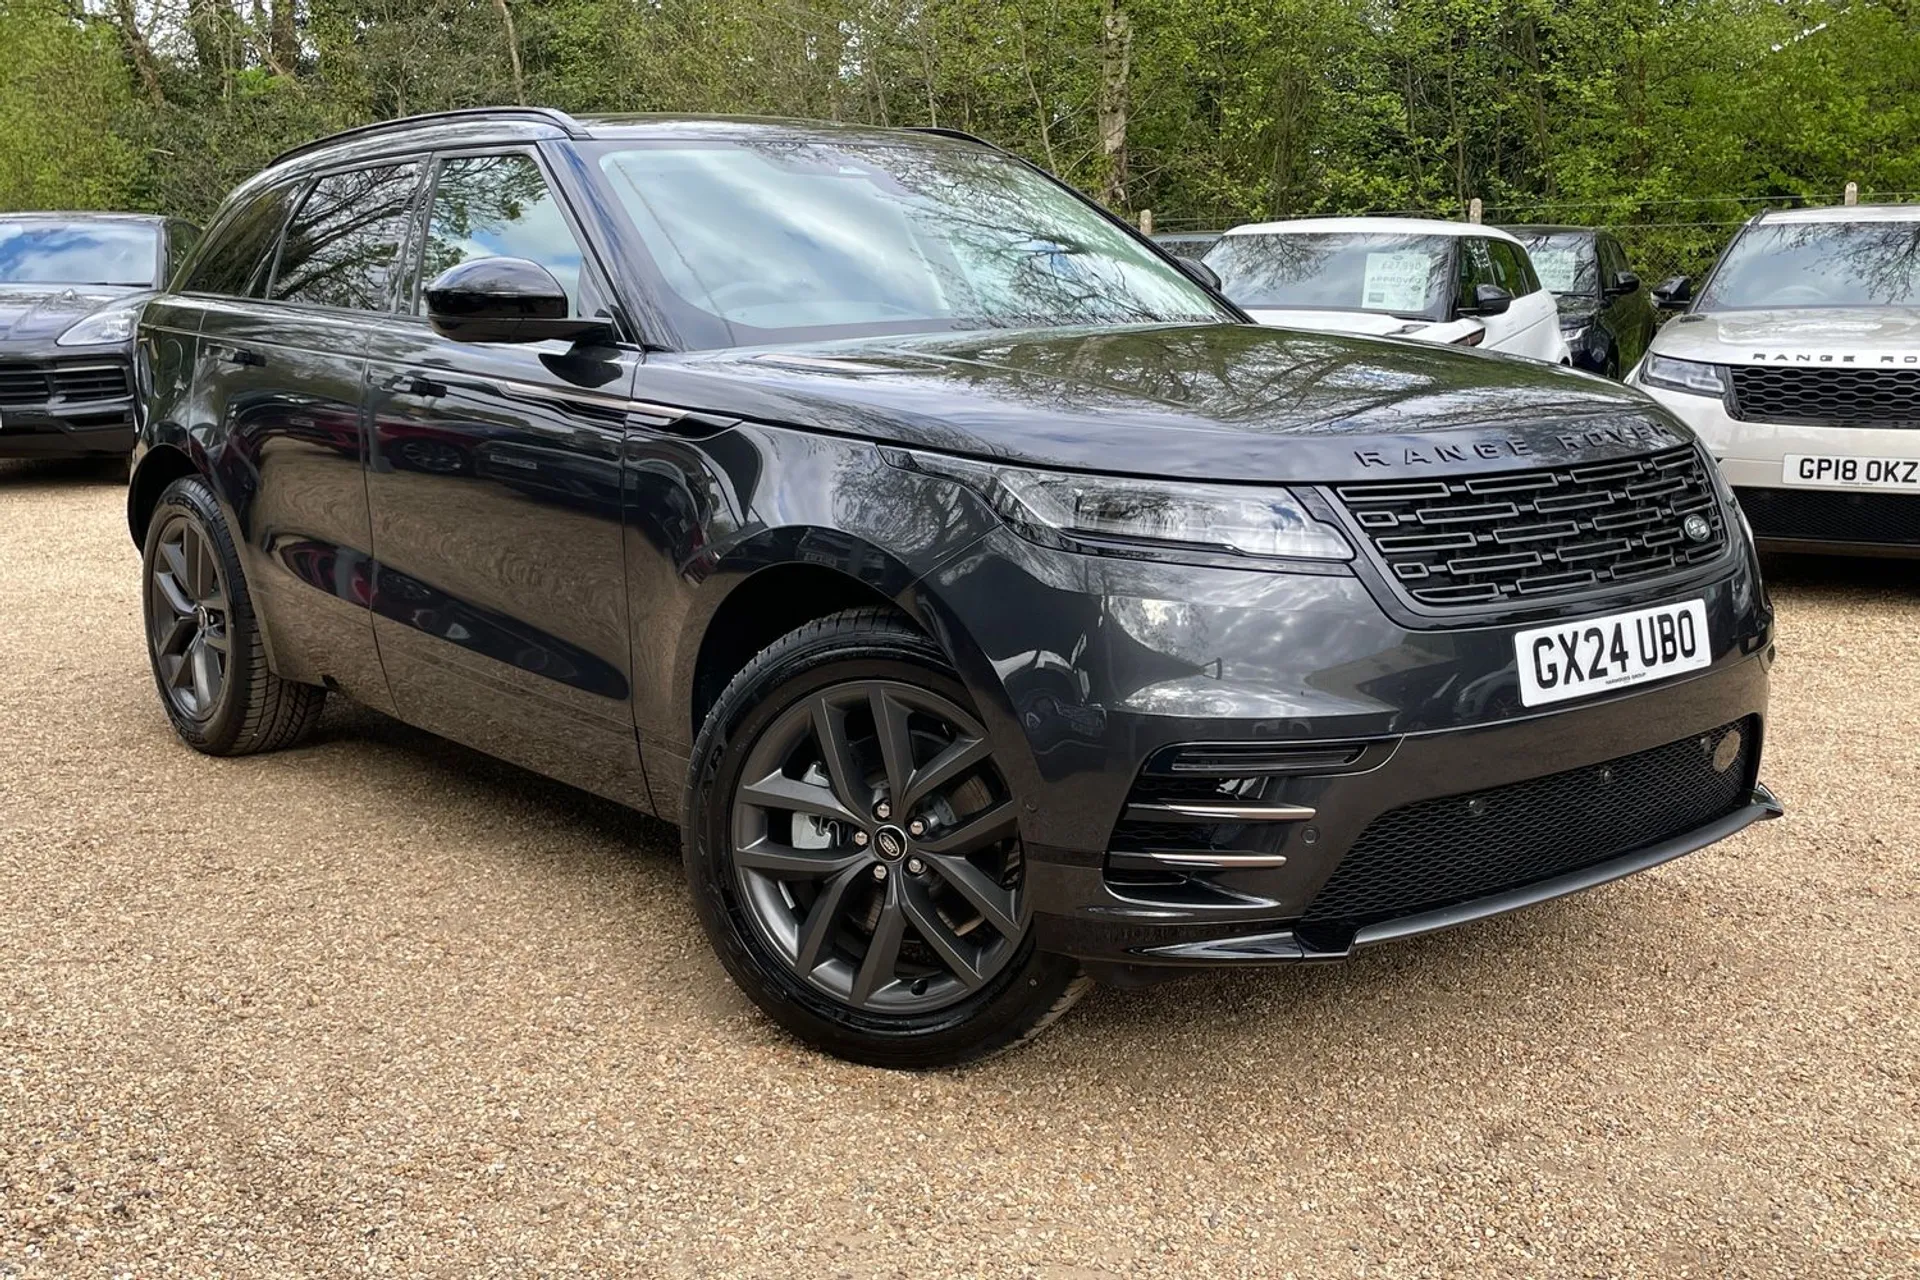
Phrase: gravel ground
{"type": "Point", "coordinates": [382, 1005]}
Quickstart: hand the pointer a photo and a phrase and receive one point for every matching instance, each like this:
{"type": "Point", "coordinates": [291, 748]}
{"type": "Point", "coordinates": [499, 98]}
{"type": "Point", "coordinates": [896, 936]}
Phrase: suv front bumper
{"type": "Point", "coordinates": [1839, 519]}
{"type": "Point", "coordinates": [1101, 667]}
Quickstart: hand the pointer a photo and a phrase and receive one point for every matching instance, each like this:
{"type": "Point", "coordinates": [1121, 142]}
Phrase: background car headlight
{"type": "Point", "coordinates": [112, 325]}
{"type": "Point", "coordinates": [1160, 519]}
{"type": "Point", "coordinates": [1684, 375]}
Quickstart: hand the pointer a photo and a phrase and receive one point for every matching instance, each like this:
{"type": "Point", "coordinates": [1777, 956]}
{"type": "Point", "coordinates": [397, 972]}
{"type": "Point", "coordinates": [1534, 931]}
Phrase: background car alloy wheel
{"type": "Point", "coordinates": [189, 598]}
{"type": "Point", "coordinates": [854, 852]}
{"type": "Point", "coordinates": [890, 886]}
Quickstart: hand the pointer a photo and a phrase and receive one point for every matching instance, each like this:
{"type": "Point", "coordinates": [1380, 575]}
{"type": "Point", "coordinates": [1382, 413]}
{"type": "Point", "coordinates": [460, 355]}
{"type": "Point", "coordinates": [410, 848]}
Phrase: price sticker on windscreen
{"type": "Point", "coordinates": [1396, 281]}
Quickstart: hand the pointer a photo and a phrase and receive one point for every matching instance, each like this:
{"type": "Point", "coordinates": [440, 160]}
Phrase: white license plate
{"type": "Point", "coordinates": [1573, 659]}
{"type": "Point", "coordinates": [1850, 471]}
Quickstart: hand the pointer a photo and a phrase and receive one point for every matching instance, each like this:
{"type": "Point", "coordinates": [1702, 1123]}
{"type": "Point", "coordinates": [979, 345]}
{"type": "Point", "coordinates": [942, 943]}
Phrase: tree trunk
{"type": "Point", "coordinates": [513, 51]}
{"type": "Point", "coordinates": [138, 51]}
{"type": "Point", "coordinates": [283, 43]}
{"type": "Point", "coordinates": [1116, 55]}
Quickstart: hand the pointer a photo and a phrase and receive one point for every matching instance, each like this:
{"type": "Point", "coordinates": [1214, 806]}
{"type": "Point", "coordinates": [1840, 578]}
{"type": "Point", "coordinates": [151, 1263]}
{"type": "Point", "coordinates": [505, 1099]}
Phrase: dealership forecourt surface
{"type": "Point", "coordinates": [383, 1005]}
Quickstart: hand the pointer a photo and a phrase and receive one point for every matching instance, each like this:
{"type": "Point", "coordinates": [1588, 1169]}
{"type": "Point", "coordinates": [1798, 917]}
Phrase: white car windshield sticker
{"type": "Point", "coordinates": [1396, 281]}
{"type": "Point", "coordinates": [1557, 268]}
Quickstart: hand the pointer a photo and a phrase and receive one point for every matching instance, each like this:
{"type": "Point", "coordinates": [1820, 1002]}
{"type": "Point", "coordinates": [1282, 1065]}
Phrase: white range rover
{"type": "Point", "coordinates": [1798, 363]}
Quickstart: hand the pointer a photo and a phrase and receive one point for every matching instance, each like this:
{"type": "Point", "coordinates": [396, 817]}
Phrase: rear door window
{"type": "Point", "coordinates": [233, 261]}
{"type": "Point", "coordinates": [341, 248]}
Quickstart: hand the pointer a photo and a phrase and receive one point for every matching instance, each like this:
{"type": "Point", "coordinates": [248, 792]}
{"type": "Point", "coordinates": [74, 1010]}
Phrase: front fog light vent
{"type": "Point", "coordinates": [1231, 761]}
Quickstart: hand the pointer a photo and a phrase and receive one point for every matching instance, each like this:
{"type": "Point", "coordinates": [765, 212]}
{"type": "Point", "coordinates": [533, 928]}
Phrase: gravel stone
{"type": "Point", "coordinates": [383, 1006]}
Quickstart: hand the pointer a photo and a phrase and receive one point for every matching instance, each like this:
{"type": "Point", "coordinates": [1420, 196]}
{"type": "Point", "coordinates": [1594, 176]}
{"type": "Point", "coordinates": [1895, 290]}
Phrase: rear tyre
{"type": "Point", "coordinates": [203, 640]}
{"type": "Point", "coordinates": [853, 852]}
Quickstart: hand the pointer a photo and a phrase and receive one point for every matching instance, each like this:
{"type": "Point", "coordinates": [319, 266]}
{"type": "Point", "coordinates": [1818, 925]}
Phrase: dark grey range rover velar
{"type": "Point", "coordinates": [992, 605]}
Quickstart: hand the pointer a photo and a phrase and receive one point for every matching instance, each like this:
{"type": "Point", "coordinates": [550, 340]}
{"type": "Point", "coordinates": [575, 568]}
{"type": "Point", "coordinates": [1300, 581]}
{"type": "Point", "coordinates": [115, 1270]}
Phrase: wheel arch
{"type": "Point", "coordinates": [159, 467]}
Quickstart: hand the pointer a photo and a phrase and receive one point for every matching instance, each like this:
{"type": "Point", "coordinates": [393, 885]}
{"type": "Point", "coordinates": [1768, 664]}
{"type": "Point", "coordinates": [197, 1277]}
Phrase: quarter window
{"type": "Point", "coordinates": [233, 261]}
{"type": "Point", "coordinates": [341, 247]}
{"type": "Point", "coordinates": [499, 207]}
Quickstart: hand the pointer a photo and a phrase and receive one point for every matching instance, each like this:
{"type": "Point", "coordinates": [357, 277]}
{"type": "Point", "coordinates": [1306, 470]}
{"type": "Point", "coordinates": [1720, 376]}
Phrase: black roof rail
{"type": "Point", "coordinates": [941, 131]}
{"type": "Point", "coordinates": [544, 115]}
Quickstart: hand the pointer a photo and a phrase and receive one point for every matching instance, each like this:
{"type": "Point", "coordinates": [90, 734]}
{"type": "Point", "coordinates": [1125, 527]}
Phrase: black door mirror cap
{"type": "Point", "coordinates": [1199, 270]}
{"type": "Point", "coordinates": [505, 300]}
{"type": "Point", "coordinates": [1488, 300]}
{"type": "Point", "coordinates": [1674, 291]}
{"type": "Point", "coordinates": [1624, 283]}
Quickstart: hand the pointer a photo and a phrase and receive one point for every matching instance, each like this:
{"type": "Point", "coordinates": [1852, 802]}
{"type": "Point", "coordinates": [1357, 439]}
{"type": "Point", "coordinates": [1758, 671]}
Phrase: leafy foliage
{"type": "Point", "coordinates": [1209, 112]}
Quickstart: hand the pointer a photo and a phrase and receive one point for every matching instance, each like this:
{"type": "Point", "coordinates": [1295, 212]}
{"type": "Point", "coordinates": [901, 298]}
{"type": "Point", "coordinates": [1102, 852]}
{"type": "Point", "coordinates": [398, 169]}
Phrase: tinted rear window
{"type": "Point", "coordinates": [341, 247]}
{"type": "Point", "coordinates": [234, 259]}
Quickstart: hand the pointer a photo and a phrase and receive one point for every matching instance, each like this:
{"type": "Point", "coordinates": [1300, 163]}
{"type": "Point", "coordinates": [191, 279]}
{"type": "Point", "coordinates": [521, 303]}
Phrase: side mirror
{"type": "Point", "coordinates": [1624, 283]}
{"type": "Point", "coordinates": [1199, 270]}
{"type": "Point", "coordinates": [1673, 293]}
{"type": "Point", "coordinates": [1488, 300]}
{"type": "Point", "coordinates": [504, 300]}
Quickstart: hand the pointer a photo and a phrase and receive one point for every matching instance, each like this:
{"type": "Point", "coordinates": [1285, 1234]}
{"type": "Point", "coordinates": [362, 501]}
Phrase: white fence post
{"type": "Point", "coordinates": [1146, 222]}
{"type": "Point", "coordinates": [1853, 194]}
{"type": "Point", "coordinates": [1474, 209]}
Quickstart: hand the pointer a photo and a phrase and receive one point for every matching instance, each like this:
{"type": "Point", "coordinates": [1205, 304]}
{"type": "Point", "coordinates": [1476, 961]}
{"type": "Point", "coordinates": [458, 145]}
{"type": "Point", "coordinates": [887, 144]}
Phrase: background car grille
{"type": "Point", "coordinates": [1527, 536]}
{"type": "Point", "coordinates": [96, 383]}
{"type": "Point", "coordinates": [38, 384]}
{"type": "Point", "coordinates": [1822, 516]}
{"type": "Point", "coordinates": [1445, 851]}
{"type": "Point", "coordinates": [1826, 397]}
{"type": "Point", "coordinates": [20, 385]}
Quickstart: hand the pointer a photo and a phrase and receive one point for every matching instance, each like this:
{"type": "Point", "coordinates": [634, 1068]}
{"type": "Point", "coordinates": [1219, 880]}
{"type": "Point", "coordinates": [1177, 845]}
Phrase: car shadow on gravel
{"type": "Point", "coordinates": [469, 777]}
{"type": "Point", "coordinates": [17, 474]}
{"type": "Point", "coordinates": [1841, 575]}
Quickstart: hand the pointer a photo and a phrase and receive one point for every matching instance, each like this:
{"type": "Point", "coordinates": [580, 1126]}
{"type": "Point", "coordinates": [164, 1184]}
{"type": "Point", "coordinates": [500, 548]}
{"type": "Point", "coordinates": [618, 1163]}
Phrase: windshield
{"type": "Point", "coordinates": [112, 253]}
{"type": "Point", "coordinates": [797, 239]}
{"type": "Point", "coordinates": [1402, 275]}
{"type": "Point", "coordinates": [1818, 264]}
{"type": "Point", "coordinates": [1564, 261]}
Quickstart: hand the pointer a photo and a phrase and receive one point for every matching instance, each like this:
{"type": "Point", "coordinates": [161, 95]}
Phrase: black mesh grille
{"type": "Point", "coordinates": [1829, 516]}
{"type": "Point", "coordinates": [1826, 397]}
{"type": "Point", "coordinates": [98, 382]}
{"type": "Point", "coordinates": [1437, 853]}
{"type": "Point", "coordinates": [21, 385]}
{"type": "Point", "coordinates": [1527, 536]}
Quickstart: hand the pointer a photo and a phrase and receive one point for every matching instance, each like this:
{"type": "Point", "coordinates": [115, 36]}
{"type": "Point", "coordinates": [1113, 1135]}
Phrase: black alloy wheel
{"type": "Point", "coordinates": [874, 842]}
{"type": "Point", "coordinates": [854, 851]}
{"type": "Point", "coordinates": [209, 659]}
{"type": "Point", "coordinates": [191, 644]}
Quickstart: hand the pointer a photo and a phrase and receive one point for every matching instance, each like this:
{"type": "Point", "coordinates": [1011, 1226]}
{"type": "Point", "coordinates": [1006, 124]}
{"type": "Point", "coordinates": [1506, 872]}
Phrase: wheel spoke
{"type": "Point", "coordinates": [174, 669]}
{"type": "Point", "coordinates": [190, 555]}
{"type": "Point", "coordinates": [206, 673]}
{"type": "Point", "coordinates": [778, 791]}
{"type": "Point", "coordinates": [997, 906]}
{"type": "Point", "coordinates": [830, 731]}
{"type": "Point", "coordinates": [896, 748]}
{"type": "Point", "coordinates": [173, 581]}
{"type": "Point", "coordinates": [955, 760]}
{"type": "Point", "coordinates": [173, 642]}
{"type": "Point", "coordinates": [823, 917]}
{"type": "Point", "coordinates": [215, 638]}
{"type": "Point", "coordinates": [933, 930]}
{"type": "Point", "coordinates": [883, 949]}
{"type": "Point", "coordinates": [786, 861]}
{"type": "Point", "coordinates": [982, 828]}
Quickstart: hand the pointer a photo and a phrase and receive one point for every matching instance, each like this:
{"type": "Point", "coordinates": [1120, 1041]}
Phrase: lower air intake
{"type": "Point", "coordinates": [1441, 852]}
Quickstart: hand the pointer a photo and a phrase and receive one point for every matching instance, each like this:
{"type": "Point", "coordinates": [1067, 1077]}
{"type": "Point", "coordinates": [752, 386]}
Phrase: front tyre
{"type": "Point", "coordinates": [203, 640]}
{"type": "Point", "coordinates": [853, 852]}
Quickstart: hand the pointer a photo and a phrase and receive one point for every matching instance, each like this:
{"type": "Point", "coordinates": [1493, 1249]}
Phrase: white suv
{"type": "Point", "coordinates": [1799, 365]}
{"type": "Point", "coordinates": [1448, 282]}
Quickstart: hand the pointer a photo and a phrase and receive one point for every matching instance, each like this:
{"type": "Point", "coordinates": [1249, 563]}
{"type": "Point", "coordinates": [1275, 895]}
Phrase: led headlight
{"type": "Point", "coordinates": [113, 324]}
{"type": "Point", "coordinates": [1160, 519]}
{"type": "Point", "coordinates": [1684, 375]}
